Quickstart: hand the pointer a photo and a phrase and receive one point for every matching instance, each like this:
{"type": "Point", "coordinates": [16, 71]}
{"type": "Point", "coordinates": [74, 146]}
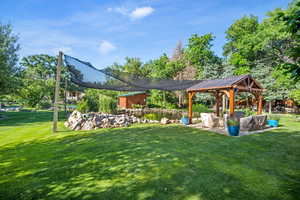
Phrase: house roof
{"type": "Point", "coordinates": [244, 81]}
{"type": "Point", "coordinates": [132, 94]}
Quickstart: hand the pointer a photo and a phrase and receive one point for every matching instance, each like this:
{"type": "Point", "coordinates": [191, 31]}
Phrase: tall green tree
{"type": "Point", "coordinates": [38, 79]}
{"type": "Point", "coordinates": [240, 46]}
{"type": "Point", "coordinates": [8, 58]}
{"type": "Point", "coordinates": [286, 47]}
{"type": "Point", "coordinates": [199, 53]}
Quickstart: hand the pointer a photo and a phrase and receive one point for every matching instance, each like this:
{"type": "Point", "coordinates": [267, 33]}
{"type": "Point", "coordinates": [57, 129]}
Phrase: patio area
{"type": "Point", "coordinates": [223, 131]}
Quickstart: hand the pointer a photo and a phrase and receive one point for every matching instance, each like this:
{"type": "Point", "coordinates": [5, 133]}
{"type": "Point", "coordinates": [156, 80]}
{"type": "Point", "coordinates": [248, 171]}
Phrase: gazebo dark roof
{"type": "Point", "coordinates": [233, 81]}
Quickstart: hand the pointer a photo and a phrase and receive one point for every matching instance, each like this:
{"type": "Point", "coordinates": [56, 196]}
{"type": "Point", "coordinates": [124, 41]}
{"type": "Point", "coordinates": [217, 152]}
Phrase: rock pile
{"type": "Point", "coordinates": [90, 121]}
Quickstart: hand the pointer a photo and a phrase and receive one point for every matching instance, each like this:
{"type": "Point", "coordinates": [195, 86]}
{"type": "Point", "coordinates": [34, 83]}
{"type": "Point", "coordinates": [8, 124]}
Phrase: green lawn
{"type": "Point", "coordinates": [145, 162]}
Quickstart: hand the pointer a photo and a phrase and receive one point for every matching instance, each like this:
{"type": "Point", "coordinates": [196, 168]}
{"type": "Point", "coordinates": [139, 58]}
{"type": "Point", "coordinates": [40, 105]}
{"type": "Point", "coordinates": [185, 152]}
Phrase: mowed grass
{"type": "Point", "coordinates": [145, 162]}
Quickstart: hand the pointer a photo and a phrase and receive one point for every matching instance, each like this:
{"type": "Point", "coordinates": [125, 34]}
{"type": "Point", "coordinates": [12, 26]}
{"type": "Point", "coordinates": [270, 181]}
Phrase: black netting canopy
{"type": "Point", "coordinates": [86, 75]}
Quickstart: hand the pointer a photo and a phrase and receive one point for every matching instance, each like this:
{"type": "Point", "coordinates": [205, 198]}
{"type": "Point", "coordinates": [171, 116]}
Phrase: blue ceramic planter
{"type": "Point", "coordinates": [233, 130]}
{"type": "Point", "coordinates": [273, 123]}
{"type": "Point", "coordinates": [185, 120]}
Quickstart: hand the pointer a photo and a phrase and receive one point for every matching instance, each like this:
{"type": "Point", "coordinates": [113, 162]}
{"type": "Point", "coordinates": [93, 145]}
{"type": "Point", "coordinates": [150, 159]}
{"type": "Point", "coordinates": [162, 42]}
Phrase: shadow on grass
{"type": "Point", "coordinates": [152, 162]}
{"type": "Point", "coordinates": [23, 118]}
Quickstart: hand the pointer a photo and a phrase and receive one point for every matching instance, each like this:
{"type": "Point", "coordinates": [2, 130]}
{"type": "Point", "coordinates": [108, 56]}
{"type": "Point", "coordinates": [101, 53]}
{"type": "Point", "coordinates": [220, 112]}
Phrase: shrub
{"type": "Point", "coordinates": [137, 106]}
{"type": "Point", "coordinates": [43, 105]}
{"type": "Point", "coordinates": [107, 104]}
{"type": "Point", "coordinates": [150, 105]}
{"type": "Point", "coordinates": [248, 112]}
{"type": "Point", "coordinates": [152, 116]}
{"type": "Point", "coordinates": [273, 117]}
{"type": "Point", "coordinates": [170, 106]}
{"type": "Point", "coordinates": [200, 108]}
{"type": "Point", "coordinates": [82, 106]}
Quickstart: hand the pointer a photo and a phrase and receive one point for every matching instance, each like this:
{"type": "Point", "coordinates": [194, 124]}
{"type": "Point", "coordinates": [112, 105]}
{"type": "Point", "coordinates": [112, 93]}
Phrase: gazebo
{"type": "Point", "coordinates": [229, 87]}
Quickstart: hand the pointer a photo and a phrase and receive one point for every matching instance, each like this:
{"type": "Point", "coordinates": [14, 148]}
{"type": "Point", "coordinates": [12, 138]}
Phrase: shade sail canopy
{"type": "Point", "coordinates": [86, 75]}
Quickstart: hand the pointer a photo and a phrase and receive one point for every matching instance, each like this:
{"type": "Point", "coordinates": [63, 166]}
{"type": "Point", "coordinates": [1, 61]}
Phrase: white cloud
{"type": "Point", "coordinates": [141, 12]}
{"type": "Point", "coordinates": [137, 13]}
{"type": "Point", "coordinates": [106, 47]}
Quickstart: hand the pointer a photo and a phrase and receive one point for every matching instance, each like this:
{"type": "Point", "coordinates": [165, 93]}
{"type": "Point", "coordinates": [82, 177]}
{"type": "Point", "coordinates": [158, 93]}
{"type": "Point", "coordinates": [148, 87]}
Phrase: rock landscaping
{"type": "Point", "coordinates": [90, 121]}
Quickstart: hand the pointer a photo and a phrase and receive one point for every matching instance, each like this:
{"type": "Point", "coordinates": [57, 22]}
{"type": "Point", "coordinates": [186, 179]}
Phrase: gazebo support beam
{"type": "Point", "coordinates": [231, 101]}
{"type": "Point", "coordinates": [259, 104]}
{"type": "Point", "coordinates": [218, 101]}
{"type": "Point", "coordinates": [190, 100]}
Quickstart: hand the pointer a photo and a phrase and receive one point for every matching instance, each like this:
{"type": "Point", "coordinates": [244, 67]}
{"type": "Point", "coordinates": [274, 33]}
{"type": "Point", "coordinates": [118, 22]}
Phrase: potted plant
{"type": "Point", "coordinates": [273, 120]}
{"type": "Point", "coordinates": [233, 127]}
{"type": "Point", "coordinates": [184, 120]}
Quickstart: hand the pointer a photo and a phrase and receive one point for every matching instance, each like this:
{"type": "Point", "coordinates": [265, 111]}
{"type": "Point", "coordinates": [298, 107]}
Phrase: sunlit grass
{"type": "Point", "coordinates": [145, 162]}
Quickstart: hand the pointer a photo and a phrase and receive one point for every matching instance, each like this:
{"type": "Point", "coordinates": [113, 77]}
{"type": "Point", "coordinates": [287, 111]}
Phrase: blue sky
{"type": "Point", "coordinates": [103, 32]}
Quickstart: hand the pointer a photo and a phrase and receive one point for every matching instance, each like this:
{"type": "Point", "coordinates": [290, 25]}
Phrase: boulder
{"type": "Point", "coordinates": [88, 125]}
{"type": "Point", "coordinates": [209, 120]}
{"type": "Point", "coordinates": [255, 122]}
{"type": "Point", "coordinates": [90, 121]}
{"type": "Point", "coordinates": [164, 121]}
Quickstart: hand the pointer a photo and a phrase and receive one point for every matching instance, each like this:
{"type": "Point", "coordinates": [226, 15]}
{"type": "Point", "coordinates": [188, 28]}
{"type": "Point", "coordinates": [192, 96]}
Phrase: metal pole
{"type": "Point", "coordinates": [56, 98]}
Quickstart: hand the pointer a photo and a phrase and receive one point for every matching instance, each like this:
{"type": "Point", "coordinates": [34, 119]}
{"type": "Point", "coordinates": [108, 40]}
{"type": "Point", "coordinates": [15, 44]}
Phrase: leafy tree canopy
{"type": "Point", "coordinates": [8, 58]}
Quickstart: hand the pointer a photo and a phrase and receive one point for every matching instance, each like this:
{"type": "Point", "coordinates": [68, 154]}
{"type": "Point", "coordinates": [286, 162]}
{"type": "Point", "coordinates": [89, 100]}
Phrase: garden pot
{"type": "Point", "coordinates": [185, 120]}
{"type": "Point", "coordinates": [233, 130]}
{"type": "Point", "coordinates": [273, 123]}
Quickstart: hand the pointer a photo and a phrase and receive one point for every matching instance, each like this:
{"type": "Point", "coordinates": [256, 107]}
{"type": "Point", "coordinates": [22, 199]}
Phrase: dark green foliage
{"type": "Point", "coordinates": [241, 44]}
{"type": "Point", "coordinates": [83, 106]}
{"type": "Point", "coordinates": [200, 108]}
{"type": "Point", "coordinates": [295, 95]}
{"type": "Point", "coordinates": [152, 116]}
{"type": "Point", "coordinates": [248, 112]}
{"type": "Point", "coordinates": [44, 105]}
{"type": "Point", "coordinates": [137, 106]}
{"type": "Point", "coordinates": [98, 100]}
{"type": "Point", "coordinates": [159, 115]}
{"type": "Point", "coordinates": [37, 80]}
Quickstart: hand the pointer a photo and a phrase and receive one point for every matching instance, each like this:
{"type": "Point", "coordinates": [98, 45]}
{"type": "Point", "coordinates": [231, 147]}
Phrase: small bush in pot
{"type": "Point", "coordinates": [233, 127]}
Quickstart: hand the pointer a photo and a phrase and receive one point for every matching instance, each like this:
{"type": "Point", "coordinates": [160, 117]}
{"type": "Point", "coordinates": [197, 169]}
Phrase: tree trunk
{"type": "Point", "coordinates": [270, 107]}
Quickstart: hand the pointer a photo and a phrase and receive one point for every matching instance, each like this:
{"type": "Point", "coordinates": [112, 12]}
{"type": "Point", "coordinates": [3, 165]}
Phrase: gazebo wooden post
{"type": "Point", "coordinates": [259, 104]}
{"type": "Point", "coordinates": [190, 98]}
{"type": "Point", "coordinates": [231, 101]}
{"type": "Point", "coordinates": [218, 103]}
